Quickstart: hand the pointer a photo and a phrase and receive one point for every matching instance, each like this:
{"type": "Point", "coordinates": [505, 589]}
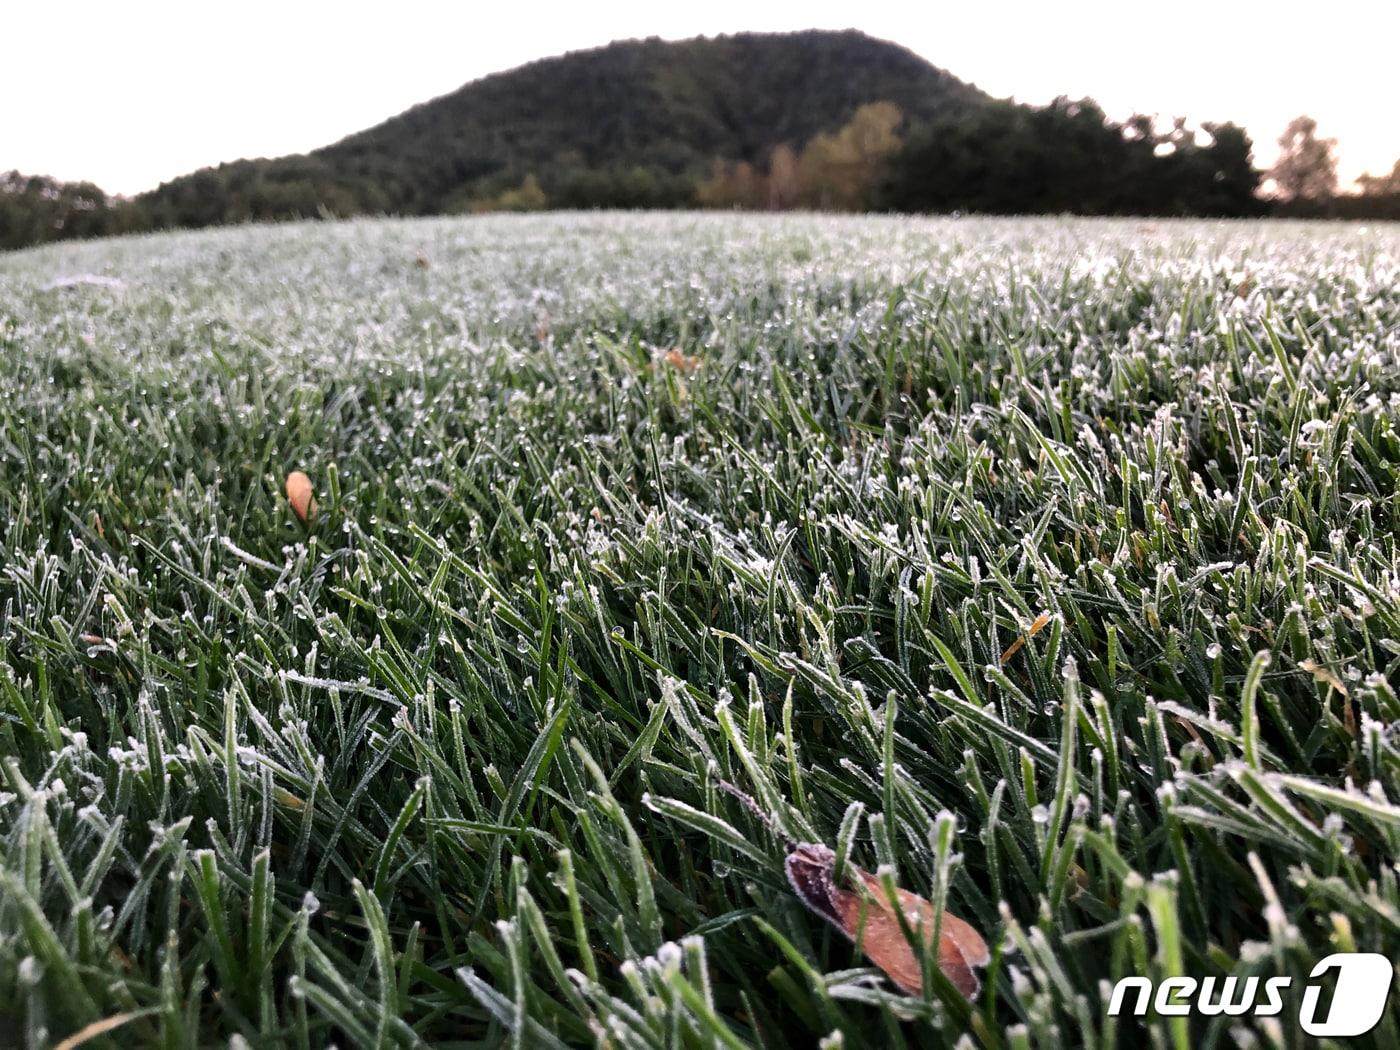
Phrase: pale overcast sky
{"type": "Point", "coordinates": [127, 95]}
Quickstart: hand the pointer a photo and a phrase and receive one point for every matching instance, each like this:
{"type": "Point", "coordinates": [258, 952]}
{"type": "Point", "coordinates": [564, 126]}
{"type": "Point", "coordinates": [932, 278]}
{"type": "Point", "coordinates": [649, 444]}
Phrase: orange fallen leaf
{"type": "Point", "coordinates": [678, 360]}
{"type": "Point", "coordinates": [122, 959]}
{"type": "Point", "coordinates": [1015, 647]}
{"type": "Point", "coordinates": [867, 918]}
{"type": "Point", "coordinates": [299, 495]}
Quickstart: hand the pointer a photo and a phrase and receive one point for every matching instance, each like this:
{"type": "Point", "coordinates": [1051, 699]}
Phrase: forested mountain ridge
{"type": "Point", "coordinates": [818, 120]}
{"type": "Point", "coordinates": [634, 123]}
{"type": "Point", "coordinates": [669, 107]}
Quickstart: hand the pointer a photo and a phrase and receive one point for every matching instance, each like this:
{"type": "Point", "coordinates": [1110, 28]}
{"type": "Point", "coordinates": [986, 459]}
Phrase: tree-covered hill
{"type": "Point", "coordinates": [817, 120]}
{"type": "Point", "coordinates": [637, 122]}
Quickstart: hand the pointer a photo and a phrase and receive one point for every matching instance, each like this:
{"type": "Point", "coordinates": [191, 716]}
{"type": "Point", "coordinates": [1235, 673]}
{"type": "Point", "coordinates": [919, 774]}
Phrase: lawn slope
{"type": "Point", "coordinates": [614, 507]}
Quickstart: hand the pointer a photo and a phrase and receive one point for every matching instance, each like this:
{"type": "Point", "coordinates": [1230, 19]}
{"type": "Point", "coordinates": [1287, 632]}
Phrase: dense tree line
{"type": "Point", "coordinates": [1068, 157]}
{"type": "Point", "coordinates": [816, 120]}
{"type": "Point", "coordinates": [1003, 158]}
{"type": "Point", "coordinates": [35, 209]}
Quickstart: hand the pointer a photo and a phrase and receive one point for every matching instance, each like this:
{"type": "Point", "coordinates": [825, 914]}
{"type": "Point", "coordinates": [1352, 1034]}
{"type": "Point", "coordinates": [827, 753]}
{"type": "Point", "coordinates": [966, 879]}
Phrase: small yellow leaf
{"type": "Point", "coordinates": [1015, 647]}
{"type": "Point", "coordinates": [96, 1029]}
{"type": "Point", "coordinates": [288, 799]}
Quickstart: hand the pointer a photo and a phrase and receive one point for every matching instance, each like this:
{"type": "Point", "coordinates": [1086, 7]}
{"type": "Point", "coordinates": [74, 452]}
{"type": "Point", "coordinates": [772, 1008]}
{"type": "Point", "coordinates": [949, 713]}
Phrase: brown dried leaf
{"type": "Point", "coordinates": [867, 917]}
{"type": "Point", "coordinates": [300, 496]}
{"type": "Point", "coordinates": [1322, 674]}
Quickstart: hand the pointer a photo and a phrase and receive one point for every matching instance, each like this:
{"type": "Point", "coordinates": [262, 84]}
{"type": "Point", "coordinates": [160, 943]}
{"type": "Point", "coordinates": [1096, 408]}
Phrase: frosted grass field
{"type": "Point", "coordinates": [615, 507]}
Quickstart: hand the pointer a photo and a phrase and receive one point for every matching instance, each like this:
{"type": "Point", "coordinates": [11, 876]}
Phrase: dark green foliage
{"type": "Point", "coordinates": [35, 209]}
{"type": "Point", "coordinates": [1004, 158]}
{"type": "Point", "coordinates": [261, 190]}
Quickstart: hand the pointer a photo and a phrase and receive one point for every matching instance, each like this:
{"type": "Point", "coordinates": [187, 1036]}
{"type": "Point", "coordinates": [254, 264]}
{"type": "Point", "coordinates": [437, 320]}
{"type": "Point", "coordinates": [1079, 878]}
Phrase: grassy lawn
{"type": "Point", "coordinates": [1050, 568]}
